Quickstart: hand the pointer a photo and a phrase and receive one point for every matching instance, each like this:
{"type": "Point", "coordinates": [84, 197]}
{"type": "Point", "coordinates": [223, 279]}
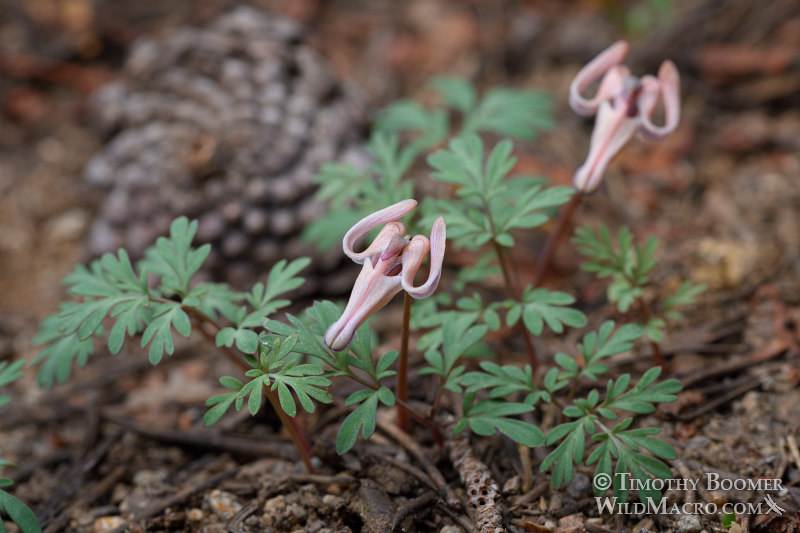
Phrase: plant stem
{"type": "Point", "coordinates": [574, 389]}
{"type": "Point", "coordinates": [527, 469]}
{"type": "Point", "coordinates": [514, 294]}
{"type": "Point", "coordinates": [291, 424]}
{"type": "Point", "coordinates": [402, 366]}
{"type": "Point", "coordinates": [658, 358]}
{"type": "Point", "coordinates": [555, 236]}
{"type": "Point", "coordinates": [524, 452]}
{"type": "Point", "coordinates": [295, 431]}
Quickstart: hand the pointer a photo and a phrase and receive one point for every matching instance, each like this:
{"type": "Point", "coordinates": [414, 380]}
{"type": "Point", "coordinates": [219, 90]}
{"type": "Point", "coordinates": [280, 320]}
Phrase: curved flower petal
{"type": "Point", "coordinates": [612, 130]}
{"type": "Point", "coordinates": [414, 255]}
{"type": "Point", "coordinates": [600, 65]}
{"type": "Point", "coordinates": [668, 88]}
{"type": "Point", "coordinates": [390, 263]}
{"type": "Point", "coordinates": [371, 291]}
{"type": "Point", "coordinates": [387, 214]}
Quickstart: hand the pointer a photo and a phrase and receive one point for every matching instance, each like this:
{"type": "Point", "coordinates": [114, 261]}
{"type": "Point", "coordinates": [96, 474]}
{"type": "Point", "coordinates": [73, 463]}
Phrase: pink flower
{"type": "Point", "coordinates": [390, 264]}
{"type": "Point", "coordinates": [624, 104]}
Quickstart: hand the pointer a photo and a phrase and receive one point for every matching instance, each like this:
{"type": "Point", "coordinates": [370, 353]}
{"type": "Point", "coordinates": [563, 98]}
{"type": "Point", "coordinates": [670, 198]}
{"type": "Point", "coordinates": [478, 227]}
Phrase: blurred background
{"type": "Point", "coordinates": [116, 115]}
{"type": "Point", "coordinates": [740, 82]}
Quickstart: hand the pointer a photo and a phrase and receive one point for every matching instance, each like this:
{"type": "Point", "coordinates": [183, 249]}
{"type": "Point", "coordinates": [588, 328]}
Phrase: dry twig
{"type": "Point", "coordinates": [481, 487]}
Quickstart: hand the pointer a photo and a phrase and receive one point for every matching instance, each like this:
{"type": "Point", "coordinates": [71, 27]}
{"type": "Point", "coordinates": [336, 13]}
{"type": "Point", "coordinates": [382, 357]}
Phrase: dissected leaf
{"type": "Point", "coordinates": [487, 416]}
{"type": "Point", "coordinates": [540, 306]}
{"type": "Point", "coordinates": [363, 419]}
{"type": "Point", "coordinates": [168, 316]}
{"type": "Point", "coordinates": [174, 259]}
{"type": "Point", "coordinates": [511, 112]}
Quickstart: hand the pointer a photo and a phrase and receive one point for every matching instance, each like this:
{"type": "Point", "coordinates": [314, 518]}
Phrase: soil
{"type": "Point", "coordinates": [121, 446]}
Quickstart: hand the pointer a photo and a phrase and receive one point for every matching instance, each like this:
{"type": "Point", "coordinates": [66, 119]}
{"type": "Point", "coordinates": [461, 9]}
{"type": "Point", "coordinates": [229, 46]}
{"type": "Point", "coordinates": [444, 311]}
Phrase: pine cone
{"type": "Point", "coordinates": [228, 125]}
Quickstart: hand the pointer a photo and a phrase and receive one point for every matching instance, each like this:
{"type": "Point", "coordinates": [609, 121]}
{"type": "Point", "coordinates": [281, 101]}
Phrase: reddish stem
{"type": "Point", "coordinates": [658, 357]}
{"type": "Point", "coordinates": [402, 366]}
{"type": "Point", "coordinates": [555, 237]}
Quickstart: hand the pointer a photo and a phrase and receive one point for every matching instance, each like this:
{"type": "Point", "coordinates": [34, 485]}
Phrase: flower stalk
{"type": "Point", "coordinates": [402, 366]}
{"type": "Point", "coordinates": [390, 264]}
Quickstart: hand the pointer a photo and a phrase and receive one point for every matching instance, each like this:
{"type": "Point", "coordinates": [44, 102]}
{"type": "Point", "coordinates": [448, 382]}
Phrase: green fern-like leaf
{"type": "Point", "coordinates": [174, 259]}
{"type": "Point", "coordinates": [489, 416]}
{"type": "Point", "coordinates": [167, 316]}
{"type": "Point", "coordinates": [542, 306]}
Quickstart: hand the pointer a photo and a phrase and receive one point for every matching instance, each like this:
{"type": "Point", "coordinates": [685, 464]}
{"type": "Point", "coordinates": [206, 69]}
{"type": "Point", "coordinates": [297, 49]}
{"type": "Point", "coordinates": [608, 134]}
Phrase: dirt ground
{"type": "Point", "coordinates": [121, 447]}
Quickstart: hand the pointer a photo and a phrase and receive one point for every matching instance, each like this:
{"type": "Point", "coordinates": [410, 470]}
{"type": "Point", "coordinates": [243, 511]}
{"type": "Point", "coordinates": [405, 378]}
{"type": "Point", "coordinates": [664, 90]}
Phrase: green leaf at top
{"type": "Point", "coordinates": [410, 116]}
{"type": "Point", "coordinates": [461, 164]}
{"type": "Point", "coordinates": [519, 114]}
{"type": "Point", "coordinates": [262, 297]}
{"type": "Point", "coordinates": [685, 295]}
{"type": "Point", "coordinates": [540, 306]}
{"type": "Point", "coordinates": [457, 92]}
{"type": "Point", "coordinates": [174, 259]}
{"type": "Point", "coordinates": [640, 398]}
{"type": "Point", "coordinates": [607, 342]}
{"type": "Point", "coordinates": [168, 316]}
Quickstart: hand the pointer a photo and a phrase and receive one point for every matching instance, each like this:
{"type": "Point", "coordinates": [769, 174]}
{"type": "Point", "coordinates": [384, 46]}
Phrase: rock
{"type": "Point", "coordinates": [580, 487]}
{"type": "Point", "coordinates": [688, 524]}
{"type": "Point", "coordinates": [274, 509]}
{"type": "Point", "coordinates": [104, 524]}
{"type": "Point", "coordinates": [144, 478]}
{"type": "Point", "coordinates": [223, 504]}
{"type": "Point", "coordinates": [573, 523]}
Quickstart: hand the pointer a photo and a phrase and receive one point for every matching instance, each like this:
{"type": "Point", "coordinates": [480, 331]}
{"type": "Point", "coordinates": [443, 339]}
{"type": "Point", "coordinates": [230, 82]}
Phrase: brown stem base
{"type": "Point", "coordinates": [402, 366]}
{"type": "Point", "coordinates": [555, 237]}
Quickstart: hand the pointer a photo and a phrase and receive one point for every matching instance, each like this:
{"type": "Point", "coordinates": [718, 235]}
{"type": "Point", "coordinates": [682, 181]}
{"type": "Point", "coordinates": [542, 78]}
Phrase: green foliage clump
{"type": "Point", "coordinates": [628, 265]}
{"type": "Point", "coordinates": [486, 207]}
{"type": "Point", "coordinates": [112, 288]}
{"type": "Point", "coordinates": [19, 513]}
{"type": "Point", "coordinates": [404, 132]}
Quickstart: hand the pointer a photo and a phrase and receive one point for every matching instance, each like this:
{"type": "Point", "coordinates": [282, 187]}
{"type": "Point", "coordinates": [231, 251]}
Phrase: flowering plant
{"type": "Point", "coordinates": [297, 359]}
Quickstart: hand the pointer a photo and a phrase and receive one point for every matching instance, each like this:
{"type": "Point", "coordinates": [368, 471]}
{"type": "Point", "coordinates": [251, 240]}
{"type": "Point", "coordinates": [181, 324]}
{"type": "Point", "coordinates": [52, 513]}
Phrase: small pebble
{"type": "Point", "coordinates": [223, 504]}
{"type": "Point", "coordinates": [149, 477]}
{"type": "Point", "coordinates": [105, 524]}
{"type": "Point", "coordinates": [688, 524]}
